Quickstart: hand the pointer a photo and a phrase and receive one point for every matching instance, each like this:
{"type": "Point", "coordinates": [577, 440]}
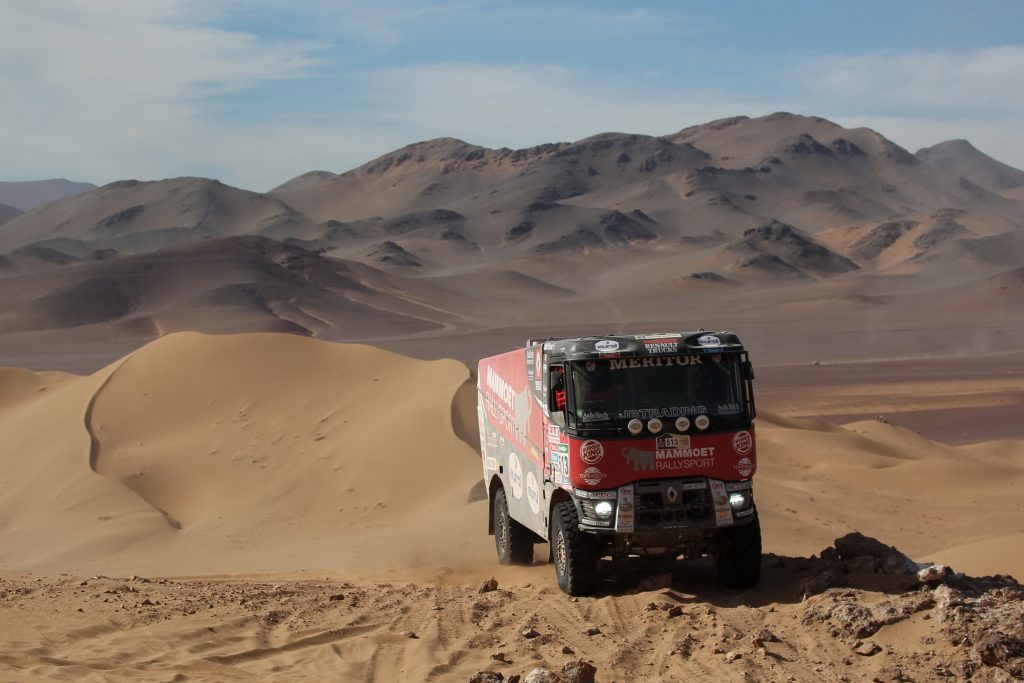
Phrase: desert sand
{"type": "Point", "coordinates": [270, 506]}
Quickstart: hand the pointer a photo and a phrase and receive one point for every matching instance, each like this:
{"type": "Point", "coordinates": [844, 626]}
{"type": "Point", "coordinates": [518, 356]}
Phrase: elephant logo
{"type": "Point", "coordinates": [641, 460]}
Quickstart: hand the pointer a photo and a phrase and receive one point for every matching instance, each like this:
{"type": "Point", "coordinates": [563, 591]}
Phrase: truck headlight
{"type": "Point", "coordinates": [603, 509]}
{"type": "Point", "coordinates": [739, 499]}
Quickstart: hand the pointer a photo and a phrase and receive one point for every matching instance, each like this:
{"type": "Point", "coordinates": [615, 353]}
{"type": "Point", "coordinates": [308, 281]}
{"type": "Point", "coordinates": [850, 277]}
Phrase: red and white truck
{"type": "Point", "coordinates": [622, 445]}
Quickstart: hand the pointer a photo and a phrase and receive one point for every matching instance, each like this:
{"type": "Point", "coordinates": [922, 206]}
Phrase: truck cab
{"type": "Point", "coordinates": [622, 445]}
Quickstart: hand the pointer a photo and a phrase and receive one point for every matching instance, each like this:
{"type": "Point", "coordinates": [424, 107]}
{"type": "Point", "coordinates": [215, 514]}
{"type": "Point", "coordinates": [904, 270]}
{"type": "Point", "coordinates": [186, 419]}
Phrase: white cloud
{"type": "Point", "coordinates": [518, 106]}
{"type": "Point", "coordinates": [104, 89]}
{"type": "Point", "coordinates": [989, 80]}
{"type": "Point", "coordinates": [920, 99]}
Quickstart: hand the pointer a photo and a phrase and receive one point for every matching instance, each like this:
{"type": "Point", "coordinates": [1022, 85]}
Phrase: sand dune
{"type": "Point", "coordinates": [208, 455]}
{"type": "Point", "coordinates": [205, 454]}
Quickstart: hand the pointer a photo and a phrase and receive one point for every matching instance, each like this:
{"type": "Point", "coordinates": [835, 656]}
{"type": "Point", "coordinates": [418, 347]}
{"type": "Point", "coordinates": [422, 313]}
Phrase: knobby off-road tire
{"type": "Point", "coordinates": [512, 540]}
{"type": "Point", "coordinates": [573, 552]}
{"type": "Point", "coordinates": [738, 558]}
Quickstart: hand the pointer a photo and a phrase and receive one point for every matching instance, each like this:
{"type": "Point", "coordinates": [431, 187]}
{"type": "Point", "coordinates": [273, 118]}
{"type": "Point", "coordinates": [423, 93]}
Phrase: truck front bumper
{"type": "Point", "coordinates": [679, 506]}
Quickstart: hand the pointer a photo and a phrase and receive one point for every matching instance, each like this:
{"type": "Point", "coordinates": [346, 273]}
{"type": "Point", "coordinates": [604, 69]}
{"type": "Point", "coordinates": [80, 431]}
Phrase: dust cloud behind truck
{"type": "Point", "coordinates": [622, 445]}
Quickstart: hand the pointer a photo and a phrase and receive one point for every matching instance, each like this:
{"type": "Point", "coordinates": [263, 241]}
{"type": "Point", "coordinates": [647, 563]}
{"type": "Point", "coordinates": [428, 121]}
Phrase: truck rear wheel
{"type": "Point", "coordinates": [738, 558]}
{"type": "Point", "coordinates": [512, 540]}
{"type": "Point", "coordinates": [573, 552]}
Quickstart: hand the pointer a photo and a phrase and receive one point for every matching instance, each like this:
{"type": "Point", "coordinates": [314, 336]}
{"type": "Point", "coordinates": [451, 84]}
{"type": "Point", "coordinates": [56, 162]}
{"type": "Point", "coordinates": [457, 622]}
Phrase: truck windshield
{"type": "Point", "coordinates": [657, 386]}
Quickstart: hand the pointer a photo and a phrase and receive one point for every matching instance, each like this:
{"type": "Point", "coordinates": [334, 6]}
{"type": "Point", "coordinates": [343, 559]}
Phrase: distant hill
{"type": "Point", "coordinates": [27, 195]}
{"type": "Point", "coordinates": [961, 158]}
{"type": "Point", "coordinates": [8, 212]}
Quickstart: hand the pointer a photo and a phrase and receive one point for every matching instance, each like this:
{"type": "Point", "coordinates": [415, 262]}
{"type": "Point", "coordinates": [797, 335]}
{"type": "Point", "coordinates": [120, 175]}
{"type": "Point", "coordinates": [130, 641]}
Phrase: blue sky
{"type": "Point", "coordinates": [254, 92]}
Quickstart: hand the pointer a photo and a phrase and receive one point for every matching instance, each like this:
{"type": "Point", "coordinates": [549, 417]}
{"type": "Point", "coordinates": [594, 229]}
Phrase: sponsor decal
{"type": "Point", "coordinates": [532, 492]}
{"type": "Point", "coordinates": [558, 464]}
{"type": "Point", "coordinates": [641, 461]}
{"type": "Point", "coordinates": [554, 434]}
{"type": "Point", "coordinates": [729, 408]}
{"type": "Point", "coordinates": [673, 452]}
{"type": "Point", "coordinates": [694, 486]}
{"type": "Point", "coordinates": [745, 467]}
{"type": "Point", "coordinates": [490, 463]}
{"type": "Point", "coordinates": [502, 389]}
{"type": "Point", "coordinates": [482, 425]}
{"type": "Point", "coordinates": [595, 416]}
{"type": "Point", "coordinates": [593, 476]}
{"type": "Point", "coordinates": [624, 512]}
{"type": "Point", "coordinates": [591, 452]}
{"type": "Point", "coordinates": [515, 475]}
{"type": "Point", "coordinates": [596, 495]}
{"type": "Point", "coordinates": [607, 346]}
{"type": "Point", "coordinates": [661, 335]}
{"type": "Point", "coordinates": [675, 411]}
{"type": "Point", "coordinates": [744, 513]}
{"type": "Point", "coordinates": [563, 448]}
{"type": "Point", "coordinates": [709, 340]}
{"type": "Point", "coordinates": [661, 347]}
{"type": "Point", "coordinates": [742, 443]}
{"type": "Point", "coordinates": [673, 441]}
{"type": "Point", "coordinates": [670, 453]}
{"type": "Point", "coordinates": [723, 511]}
{"type": "Point", "coordinates": [655, 362]}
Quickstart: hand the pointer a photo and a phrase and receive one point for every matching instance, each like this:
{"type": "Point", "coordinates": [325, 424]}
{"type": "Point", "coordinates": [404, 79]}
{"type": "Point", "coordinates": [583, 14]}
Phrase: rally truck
{"type": "Point", "coordinates": [619, 446]}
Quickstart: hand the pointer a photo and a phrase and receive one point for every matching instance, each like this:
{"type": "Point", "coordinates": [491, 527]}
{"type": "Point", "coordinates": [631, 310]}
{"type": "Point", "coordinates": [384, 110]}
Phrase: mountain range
{"type": "Point", "coordinates": [444, 236]}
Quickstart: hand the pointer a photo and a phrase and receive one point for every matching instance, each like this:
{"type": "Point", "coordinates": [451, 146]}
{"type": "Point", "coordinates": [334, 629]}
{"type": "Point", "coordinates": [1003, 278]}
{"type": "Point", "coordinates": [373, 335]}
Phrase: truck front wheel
{"type": "Point", "coordinates": [512, 540]}
{"type": "Point", "coordinates": [738, 556]}
{"type": "Point", "coordinates": [574, 552]}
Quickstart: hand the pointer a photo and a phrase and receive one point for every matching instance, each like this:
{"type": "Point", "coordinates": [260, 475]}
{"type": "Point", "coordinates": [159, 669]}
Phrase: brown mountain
{"type": "Point", "coordinates": [777, 208]}
{"type": "Point", "coordinates": [8, 212]}
{"type": "Point", "coordinates": [142, 216]}
{"type": "Point", "coordinates": [961, 158]}
{"type": "Point", "coordinates": [27, 195]}
{"type": "Point", "coordinates": [234, 284]}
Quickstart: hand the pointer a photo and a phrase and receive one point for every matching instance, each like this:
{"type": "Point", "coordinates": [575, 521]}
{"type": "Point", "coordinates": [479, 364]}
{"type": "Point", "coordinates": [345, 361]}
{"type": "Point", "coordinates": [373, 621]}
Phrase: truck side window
{"type": "Point", "coordinates": [557, 388]}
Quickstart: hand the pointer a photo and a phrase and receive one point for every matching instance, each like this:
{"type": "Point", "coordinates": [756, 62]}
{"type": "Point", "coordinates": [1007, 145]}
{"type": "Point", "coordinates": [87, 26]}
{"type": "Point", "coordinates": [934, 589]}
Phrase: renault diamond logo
{"type": "Point", "coordinates": [672, 494]}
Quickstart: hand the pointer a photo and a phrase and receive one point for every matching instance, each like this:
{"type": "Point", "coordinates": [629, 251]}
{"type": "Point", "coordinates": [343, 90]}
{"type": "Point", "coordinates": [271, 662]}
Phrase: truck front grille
{"type": "Point", "coordinates": [673, 503]}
